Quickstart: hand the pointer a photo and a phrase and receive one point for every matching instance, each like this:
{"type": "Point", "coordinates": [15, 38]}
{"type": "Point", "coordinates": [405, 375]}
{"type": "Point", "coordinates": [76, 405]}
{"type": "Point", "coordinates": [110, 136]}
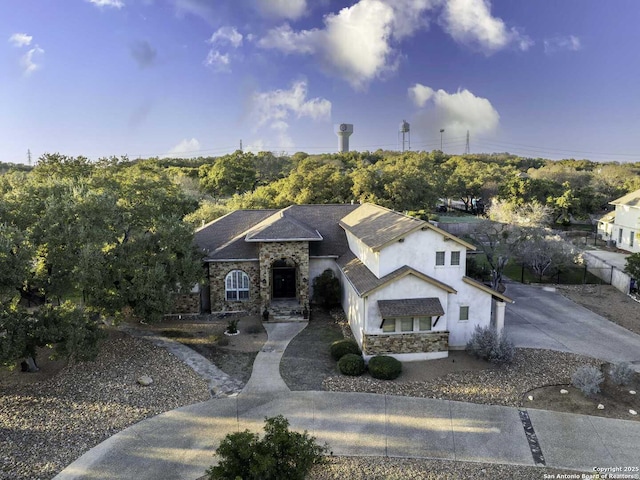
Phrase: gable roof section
{"type": "Point", "coordinates": [377, 227]}
{"type": "Point", "coordinates": [281, 227]}
{"type": "Point", "coordinates": [630, 199]}
{"type": "Point", "coordinates": [365, 282]}
{"type": "Point", "coordinates": [226, 237]}
{"type": "Point", "coordinates": [484, 288]}
{"type": "Point", "coordinates": [411, 307]}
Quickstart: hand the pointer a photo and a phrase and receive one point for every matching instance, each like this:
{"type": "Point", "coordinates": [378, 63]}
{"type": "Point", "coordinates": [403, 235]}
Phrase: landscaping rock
{"type": "Point", "coordinates": [145, 380]}
{"type": "Point", "coordinates": [600, 406]}
{"type": "Point", "coordinates": [564, 391]}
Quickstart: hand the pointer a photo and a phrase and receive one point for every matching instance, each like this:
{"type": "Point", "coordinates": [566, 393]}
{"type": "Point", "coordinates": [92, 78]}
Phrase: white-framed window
{"type": "Point", "coordinates": [440, 258]}
{"type": "Point", "coordinates": [464, 313]}
{"type": "Point", "coordinates": [236, 285]}
{"type": "Point", "coordinates": [631, 235]}
{"type": "Point", "coordinates": [406, 324]}
{"type": "Point", "coordinates": [620, 236]}
{"type": "Point", "coordinates": [455, 258]}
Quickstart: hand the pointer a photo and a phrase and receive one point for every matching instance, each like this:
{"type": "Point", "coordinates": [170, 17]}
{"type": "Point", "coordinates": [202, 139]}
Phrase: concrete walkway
{"type": "Point", "coordinates": [180, 444]}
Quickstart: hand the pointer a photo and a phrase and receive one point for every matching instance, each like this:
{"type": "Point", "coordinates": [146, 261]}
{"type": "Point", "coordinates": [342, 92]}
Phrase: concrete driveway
{"type": "Point", "coordinates": [545, 319]}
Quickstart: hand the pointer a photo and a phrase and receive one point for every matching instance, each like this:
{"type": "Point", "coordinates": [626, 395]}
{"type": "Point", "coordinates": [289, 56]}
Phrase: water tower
{"type": "Point", "coordinates": [344, 131]}
{"type": "Point", "coordinates": [405, 131]}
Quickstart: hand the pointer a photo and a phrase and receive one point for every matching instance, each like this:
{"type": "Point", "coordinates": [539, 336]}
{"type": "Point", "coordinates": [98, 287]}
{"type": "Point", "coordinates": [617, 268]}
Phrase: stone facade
{"type": "Point", "coordinates": [218, 272]}
{"type": "Point", "coordinates": [186, 303]}
{"type": "Point", "coordinates": [298, 252]}
{"type": "Point", "coordinates": [405, 343]}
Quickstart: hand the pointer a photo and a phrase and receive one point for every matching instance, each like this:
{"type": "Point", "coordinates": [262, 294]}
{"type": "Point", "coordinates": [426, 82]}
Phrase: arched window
{"type": "Point", "coordinates": [237, 285]}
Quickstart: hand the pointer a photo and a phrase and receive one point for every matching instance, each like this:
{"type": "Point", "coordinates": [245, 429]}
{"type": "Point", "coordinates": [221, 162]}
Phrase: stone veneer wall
{"type": "Point", "coordinates": [217, 274]}
{"type": "Point", "coordinates": [296, 251]}
{"type": "Point", "coordinates": [186, 303]}
{"type": "Point", "coordinates": [405, 343]}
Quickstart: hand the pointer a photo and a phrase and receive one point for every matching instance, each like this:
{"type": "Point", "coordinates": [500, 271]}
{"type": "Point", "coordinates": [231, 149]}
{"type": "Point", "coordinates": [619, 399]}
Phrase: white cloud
{"type": "Point", "coordinates": [273, 110]}
{"type": "Point", "coordinates": [205, 9]}
{"type": "Point", "coordinates": [282, 9]}
{"type": "Point", "coordinates": [285, 39]}
{"type": "Point", "coordinates": [455, 112]}
{"type": "Point", "coordinates": [469, 22]}
{"type": "Point", "coordinates": [420, 94]}
{"type": "Point", "coordinates": [107, 3]}
{"type": "Point", "coordinates": [218, 61]}
{"type": "Point", "coordinates": [354, 43]}
{"type": "Point", "coordinates": [28, 60]}
{"type": "Point", "coordinates": [226, 36]}
{"type": "Point", "coordinates": [569, 43]}
{"type": "Point", "coordinates": [20, 39]}
{"type": "Point", "coordinates": [186, 148]}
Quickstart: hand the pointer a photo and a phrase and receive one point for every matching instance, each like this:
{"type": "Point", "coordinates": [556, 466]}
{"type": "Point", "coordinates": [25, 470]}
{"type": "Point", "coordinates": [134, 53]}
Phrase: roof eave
{"type": "Point", "coordinates": [483, 287]}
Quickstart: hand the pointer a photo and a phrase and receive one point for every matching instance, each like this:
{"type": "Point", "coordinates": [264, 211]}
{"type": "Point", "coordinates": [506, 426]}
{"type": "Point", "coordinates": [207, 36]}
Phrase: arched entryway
{"type": "Point", "coordinates": [284, 279]}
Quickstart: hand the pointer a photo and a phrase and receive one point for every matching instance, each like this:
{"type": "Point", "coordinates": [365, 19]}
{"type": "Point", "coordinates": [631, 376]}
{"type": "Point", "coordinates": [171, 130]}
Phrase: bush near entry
{"type": "Point", "coordinates": [340, 348]}
{"type": "Point", "coordinates": [384, 367]}
{"type": "Point", "coordinates": [352, 365]}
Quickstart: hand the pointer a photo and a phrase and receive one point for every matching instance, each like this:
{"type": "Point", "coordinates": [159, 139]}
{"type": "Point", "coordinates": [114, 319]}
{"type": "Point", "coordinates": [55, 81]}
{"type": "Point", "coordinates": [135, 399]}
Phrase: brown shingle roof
{"type": "Point", "coordinates": [225, 238]}
{"type": "Point", "coordinates": [282, 227]}
{"type": "Point", "coordinates": [377, 226]}
{"type": "Point", "coordinates": [411, 307]}
{"type": "Point", "coordinates": [365, 282]}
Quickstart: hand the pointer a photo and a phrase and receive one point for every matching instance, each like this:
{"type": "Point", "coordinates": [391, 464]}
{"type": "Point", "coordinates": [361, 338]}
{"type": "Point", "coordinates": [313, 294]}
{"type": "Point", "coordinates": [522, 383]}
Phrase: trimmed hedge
{"type": "Point", "coordinates": [351, 364]}
{"type": "Point", "coordinates": [340, 348]}
{"type": "Point", "coordinates": [384, 367]}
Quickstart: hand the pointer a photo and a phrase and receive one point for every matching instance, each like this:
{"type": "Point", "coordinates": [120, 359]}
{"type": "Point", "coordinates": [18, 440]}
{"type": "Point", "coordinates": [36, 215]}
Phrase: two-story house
{"type": "Point", "coordinates": [403, 280]}
{"type": "Point", "coordinates": [623, 225]}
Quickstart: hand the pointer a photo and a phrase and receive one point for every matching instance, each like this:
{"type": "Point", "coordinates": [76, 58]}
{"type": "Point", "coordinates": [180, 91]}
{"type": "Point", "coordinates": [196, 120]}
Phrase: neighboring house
{"type": "Point", "coordinates": [623, 225]}
{"type": "Point", "coordinates": [404, 287]}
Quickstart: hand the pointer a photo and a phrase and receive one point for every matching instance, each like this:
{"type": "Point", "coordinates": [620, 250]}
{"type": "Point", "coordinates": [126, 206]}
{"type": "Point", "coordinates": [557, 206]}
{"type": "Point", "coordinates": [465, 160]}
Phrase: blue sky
{"type": "Point", "coordinates": [548, 78]}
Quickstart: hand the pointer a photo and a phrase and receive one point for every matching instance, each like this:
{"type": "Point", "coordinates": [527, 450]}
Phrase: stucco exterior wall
{"type": "Point", "coordinates": [367, 256]}
{"type": "Point", "coordinates": [628, 220]}
{"type": "Point", "coordinates": [296, 251]}
{"type": "Point", "coordinates": [354, 308]}
{"type": "Point", "coordinates": [217, 274]}
{"type": "Point", "coordinates": [479, 304]}
{"type": "Point", "coordinates": [418, 250]}
{"type": "Point", "coordinates": [407, 287]}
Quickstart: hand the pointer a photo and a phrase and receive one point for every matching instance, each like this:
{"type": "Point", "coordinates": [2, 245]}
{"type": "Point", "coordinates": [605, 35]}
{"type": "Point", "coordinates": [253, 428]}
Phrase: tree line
{"type": "Point", "coordinates": [84, 241]}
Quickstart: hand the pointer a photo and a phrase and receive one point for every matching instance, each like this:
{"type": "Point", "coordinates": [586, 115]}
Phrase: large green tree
{"type": "Point", "coordinates": [235, 173]}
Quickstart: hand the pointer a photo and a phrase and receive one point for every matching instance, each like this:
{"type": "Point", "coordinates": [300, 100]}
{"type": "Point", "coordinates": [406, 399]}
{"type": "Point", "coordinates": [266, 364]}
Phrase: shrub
{"type": "Point", "coordinates": [326, 289]}
{"type": "Point", "coordinates": [351, 364]}
{"type": "Point", "coordinates": [621, 373]}
{"type": "Point", "coordinates": [340, 348]}
{"type": "Point", "coordinates": [232, 326]}
{"type": "Point", "coordinates": [587, 379]}
{"type": "Point", "coordinates": [384, 367]}
{"type": "Point", "coordinates": [486, 343]}
{"type": "Point", "coordinates": [281, 453]}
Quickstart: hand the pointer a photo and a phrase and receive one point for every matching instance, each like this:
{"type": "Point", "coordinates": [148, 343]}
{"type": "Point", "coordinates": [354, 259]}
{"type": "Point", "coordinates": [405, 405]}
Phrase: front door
{"type": "Point", "coordinates": [284, 283]}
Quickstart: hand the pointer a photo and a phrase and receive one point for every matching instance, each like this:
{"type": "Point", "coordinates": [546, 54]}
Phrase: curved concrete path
{"type": "Point", "coordinates": [180, 444]}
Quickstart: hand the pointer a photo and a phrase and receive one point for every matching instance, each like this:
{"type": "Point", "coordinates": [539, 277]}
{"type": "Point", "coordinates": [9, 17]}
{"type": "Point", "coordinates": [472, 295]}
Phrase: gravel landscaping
{"type": "Point", "coordinates": [45, 425]}
{"type": "Point", "coordinates": [506, 385]}
{"type": "Point", "coordinates": [384, 468]}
